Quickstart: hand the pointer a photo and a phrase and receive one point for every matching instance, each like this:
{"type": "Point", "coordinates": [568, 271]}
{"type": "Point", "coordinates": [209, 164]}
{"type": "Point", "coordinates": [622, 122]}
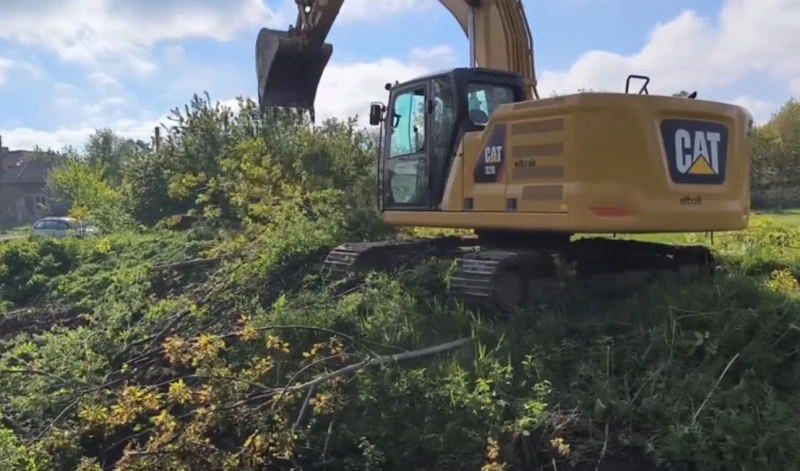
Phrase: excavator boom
{"type": "Point", "coordinates": [290, 64]}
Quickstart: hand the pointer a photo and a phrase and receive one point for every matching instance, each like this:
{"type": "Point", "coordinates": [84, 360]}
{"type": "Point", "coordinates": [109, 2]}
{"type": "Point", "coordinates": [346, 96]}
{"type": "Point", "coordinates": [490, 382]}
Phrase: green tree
{"type": "Point", "coordinates": [82, 186]}
{"type": "Point", "coordinates": [776, 159]}
{"type": "Point", "coordinates": [231, 167]}
{"type": "Point", "coordinates": [107, 149]}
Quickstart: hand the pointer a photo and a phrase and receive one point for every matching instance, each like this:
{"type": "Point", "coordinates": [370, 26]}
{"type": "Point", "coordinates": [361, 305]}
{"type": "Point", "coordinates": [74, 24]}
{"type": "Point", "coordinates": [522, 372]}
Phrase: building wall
{"type": "Point", "coordinates": [5, 159]}
{"type": "Point", "coordinates": [20, 201]}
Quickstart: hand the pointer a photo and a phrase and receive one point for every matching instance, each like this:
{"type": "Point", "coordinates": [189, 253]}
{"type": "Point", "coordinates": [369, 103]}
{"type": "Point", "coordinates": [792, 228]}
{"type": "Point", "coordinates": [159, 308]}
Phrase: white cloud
{"type": "Point", "coordinates": [174, 53]}
{"type": "Point", "coordinates": [444, 55]}
{"type": "Point", "coordinates": [339, 95]}
{"type": "Point", "coordinates": [360, 10]}
{"type": "Point", "coordinates": [64, 87]}
{"type": "Point", "coordinates": [7, 65]}
{"type": "Point", "coordinates": [760, 109]}
{"type": "Point", "coordinates": [689, 52]}
{"type": "Point", "coordinates": [122, 33]}
{"type": "Point", "coordinates": [119, 35]}
{"type": "Point", "coordinates": [63, 102]}
{"type": "Point", "coordinates": [347, 89]}
{"type": "Point", "coordinates": [95, 109]}
{"type": "Point", "coordinates": [27, 138]}
{"type": "Point", "coordinates": [33, 70]}
{"type": "Point", "coordinates": [794, 86]}
{"type": "Point", "coordinates": [103, 80]}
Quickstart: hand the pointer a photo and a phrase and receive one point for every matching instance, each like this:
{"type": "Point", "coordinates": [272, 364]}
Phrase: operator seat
{"type": "Point", "coordinates": [478, 117]}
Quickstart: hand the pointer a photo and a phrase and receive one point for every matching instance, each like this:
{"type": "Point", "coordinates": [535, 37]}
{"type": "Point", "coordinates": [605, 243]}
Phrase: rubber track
{"type": "Point", "coordinates": [385, 255]}
{"type": "Point", "coordinates": [474, 276]}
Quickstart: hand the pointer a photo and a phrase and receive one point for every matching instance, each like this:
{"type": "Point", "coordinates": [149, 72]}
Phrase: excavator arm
{"type": "Point", "coordinates": [499, 36]}
{"type": "Point", "coordinates": [289, 64]}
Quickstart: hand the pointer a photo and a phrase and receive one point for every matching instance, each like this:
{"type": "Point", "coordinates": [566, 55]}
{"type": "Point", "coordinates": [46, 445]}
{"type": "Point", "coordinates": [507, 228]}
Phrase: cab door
{"type": "Point", "coordinates": [406, 168]}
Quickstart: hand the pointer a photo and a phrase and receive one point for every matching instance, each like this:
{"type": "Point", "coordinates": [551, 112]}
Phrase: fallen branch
{"type": "Point", "coordinates": [312, 385]}
{"type": "Point", "coordinates": [397, 357]}
{"type": "Point", "coordinates": [714, 388]}
{"type": "Point", "coordinates": [352, 368]}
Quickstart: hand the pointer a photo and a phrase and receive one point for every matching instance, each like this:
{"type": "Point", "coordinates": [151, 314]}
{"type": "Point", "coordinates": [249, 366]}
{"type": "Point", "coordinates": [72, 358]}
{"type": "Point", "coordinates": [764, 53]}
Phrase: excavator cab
{"type": "Point", "coordinates": [423, 123]}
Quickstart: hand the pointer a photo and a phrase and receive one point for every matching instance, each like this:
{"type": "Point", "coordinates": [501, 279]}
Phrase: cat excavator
{"type": "Point", "coordinates": [541, 182]}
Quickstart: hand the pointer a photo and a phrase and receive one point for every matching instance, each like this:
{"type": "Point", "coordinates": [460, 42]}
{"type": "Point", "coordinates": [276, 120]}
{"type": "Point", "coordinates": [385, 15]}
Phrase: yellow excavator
{"type": "Point", "coordinates": [476, 148]}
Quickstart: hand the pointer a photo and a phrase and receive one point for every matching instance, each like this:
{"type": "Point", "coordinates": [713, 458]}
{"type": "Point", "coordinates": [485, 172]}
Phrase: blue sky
{"type": "Point", "coordinates": [69, 66]}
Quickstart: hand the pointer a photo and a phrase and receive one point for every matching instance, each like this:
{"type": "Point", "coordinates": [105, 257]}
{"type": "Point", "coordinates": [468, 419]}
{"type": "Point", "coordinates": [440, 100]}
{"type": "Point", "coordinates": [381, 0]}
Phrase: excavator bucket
{"type": "Point", "coordinates": [288, 70]}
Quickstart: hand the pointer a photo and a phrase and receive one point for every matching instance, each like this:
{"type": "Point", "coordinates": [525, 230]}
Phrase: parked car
{"type": "Point", "coordinates": [62, 227]}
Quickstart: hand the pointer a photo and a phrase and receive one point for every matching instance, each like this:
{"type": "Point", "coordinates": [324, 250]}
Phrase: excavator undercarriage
{"type": "Point", "coordinates": [503, 277]}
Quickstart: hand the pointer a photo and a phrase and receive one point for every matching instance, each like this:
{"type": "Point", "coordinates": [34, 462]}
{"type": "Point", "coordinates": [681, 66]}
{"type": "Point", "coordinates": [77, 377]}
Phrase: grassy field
{"type": "Point", "coordinates": [789, 218]}
{"type": "Point", "coordinates": [13, 233]}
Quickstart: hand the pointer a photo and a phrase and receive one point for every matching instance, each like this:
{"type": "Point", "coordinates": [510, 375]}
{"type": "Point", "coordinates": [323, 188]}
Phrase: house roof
{"type": "Point", "coordinates": [26, 171]}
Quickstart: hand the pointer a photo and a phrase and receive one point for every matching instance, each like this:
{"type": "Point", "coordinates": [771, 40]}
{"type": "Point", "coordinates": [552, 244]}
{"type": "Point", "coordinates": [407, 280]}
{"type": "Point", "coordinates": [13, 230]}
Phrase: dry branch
{"type": "Point", "coordinates": [397, 357]}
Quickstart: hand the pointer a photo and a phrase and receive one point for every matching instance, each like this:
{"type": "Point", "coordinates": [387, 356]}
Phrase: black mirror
{"type": "Point", "coordinates": [375, 114]}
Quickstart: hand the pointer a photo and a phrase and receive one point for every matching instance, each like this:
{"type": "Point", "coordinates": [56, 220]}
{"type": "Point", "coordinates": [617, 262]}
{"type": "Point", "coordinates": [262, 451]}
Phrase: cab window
{"type": "Point", "coordinates": [408, 177]}
{"type": "Point", "coordinates": [484, 99]}
{"type": "Point", "coordinates": [408, 123]}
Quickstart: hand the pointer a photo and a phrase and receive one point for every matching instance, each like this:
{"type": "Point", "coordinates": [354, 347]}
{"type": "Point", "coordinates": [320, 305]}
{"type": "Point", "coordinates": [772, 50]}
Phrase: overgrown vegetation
{"type": "Point", "coordinates": [196, 333]}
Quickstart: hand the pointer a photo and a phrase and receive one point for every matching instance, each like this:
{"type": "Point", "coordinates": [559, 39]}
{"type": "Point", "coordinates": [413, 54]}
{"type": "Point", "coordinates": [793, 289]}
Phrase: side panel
{"type": "Point", "coordinates": [659, 164]}
{"type": "Point", "coordinates": [539, 164]}
{"type": "Point", "coordinates": [485, 168]}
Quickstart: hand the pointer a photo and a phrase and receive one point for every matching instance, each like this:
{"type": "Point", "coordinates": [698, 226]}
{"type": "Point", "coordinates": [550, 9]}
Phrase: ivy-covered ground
{"type": "Point", "coordinates": [184, 350]}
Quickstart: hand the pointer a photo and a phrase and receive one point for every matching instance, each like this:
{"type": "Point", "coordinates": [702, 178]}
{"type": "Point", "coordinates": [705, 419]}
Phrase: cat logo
{"type": "Point", "coordinates": [492, 154]}
{"type": "Point", "coordinates": [698, 154]}
{"type": "Point", "coordinates": [490, 165]}
{"type": "Point", "coordinates": [696, 151]}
